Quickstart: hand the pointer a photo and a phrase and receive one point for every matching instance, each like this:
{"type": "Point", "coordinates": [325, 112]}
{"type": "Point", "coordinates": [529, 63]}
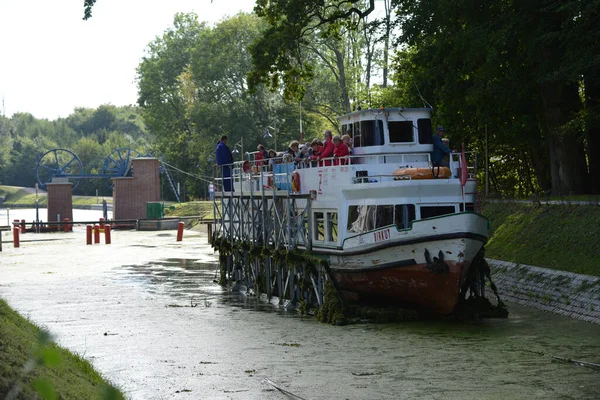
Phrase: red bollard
{"type": "Point", "coordinates": [66, 226]}
{"type": "Point", "coordinates": [96, 234]}
{"type": "Point", "coordinates": [16, 241]}
{"type": "Point", "coordinates": [88, 234]}
{"type": "Point", "coordinates": [101, 223]}
{"type": "Point", "coordinates": [180, 231]}
{"type": "Point", "coordinates": [22, 226]}
{"type": "Point", "coordinates": [107, 234]}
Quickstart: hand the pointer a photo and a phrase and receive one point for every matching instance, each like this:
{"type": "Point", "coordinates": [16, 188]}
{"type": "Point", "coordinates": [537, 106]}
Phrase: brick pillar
{"type": "Point", "coordinates": [130, 194]}
{"type": "Point", "coordinates": [60, 201]}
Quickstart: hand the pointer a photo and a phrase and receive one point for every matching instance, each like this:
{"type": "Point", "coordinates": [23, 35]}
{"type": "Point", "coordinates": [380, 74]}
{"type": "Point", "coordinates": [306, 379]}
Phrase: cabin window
{"type": "Point", "coordinates": [401, 131]}
{"type": "Point", "coordinates": [372, 133]}
{"type": "Point", "coordinates": [332, 227]}
{"type": "Point", "coordinates": [470, 207]}
{"type": "Point", "coordinates": [366, 218]}
{"type": "Point", "coordinates": [404, 214]}
{"type": "Point", "coordinates": [319, 222]}
{"type": "Point", "coordinates": [357, 140]}
{"type": "Point", "coordinates": [435, 211]}
{"type": "Point", "coordinates": [424, 126]}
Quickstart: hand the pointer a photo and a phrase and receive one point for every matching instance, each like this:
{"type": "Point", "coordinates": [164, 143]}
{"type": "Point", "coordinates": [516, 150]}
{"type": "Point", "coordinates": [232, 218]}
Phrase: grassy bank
{"type": "Point", "coordinates": [563, 237]}
{"type": "Point", "coordinates": [19, 197]}
{"type": "Point", "coordinates": [203, 209]}
{"type": "Point", "coordinates": [32, 366]}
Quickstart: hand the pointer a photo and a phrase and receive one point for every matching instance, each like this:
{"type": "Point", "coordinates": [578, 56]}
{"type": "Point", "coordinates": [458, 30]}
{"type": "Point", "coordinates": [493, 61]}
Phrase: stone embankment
{"type": "Point", "coordinates": [560, 292]}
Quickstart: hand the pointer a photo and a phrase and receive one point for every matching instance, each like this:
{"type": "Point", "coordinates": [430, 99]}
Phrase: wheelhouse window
{"type": "Point", "coordinates": [436, 211]}
{"type": "Point", "coordinates": [424, 127]}
{"type": "Point", "coordinates": [401, 131]}
{"type": "Point", "coordinates": [371, 133]}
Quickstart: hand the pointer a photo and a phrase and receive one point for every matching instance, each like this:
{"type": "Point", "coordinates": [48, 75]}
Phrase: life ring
{"type": "Point", "coordinates": [295, 182]}
{"type": "Point", "coordinates": [246, 167]}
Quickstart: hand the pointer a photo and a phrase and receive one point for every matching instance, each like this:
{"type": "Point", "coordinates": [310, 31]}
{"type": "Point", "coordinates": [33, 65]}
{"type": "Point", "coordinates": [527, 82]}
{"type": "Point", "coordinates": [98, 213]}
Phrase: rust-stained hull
{"type": "Point", "coordinates": [413, 285]}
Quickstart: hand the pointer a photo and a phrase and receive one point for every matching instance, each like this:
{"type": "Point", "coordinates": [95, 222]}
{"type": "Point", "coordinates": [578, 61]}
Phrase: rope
{"type": "Point", "coordinates": [202, 178]}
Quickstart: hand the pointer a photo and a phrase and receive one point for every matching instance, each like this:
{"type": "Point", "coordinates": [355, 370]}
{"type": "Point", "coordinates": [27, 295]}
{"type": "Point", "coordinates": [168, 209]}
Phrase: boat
{"type": "Point", "coordinates": [390, 228]}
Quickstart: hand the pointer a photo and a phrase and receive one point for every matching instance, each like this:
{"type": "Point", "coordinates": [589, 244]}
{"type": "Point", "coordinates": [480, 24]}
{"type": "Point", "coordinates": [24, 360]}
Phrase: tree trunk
{"type": "Point", "coordinates": [592, 105]}
{"type": "Point", "coordinates": [540, 166]}
{"type": "Point", "coordinates": [567, 156]}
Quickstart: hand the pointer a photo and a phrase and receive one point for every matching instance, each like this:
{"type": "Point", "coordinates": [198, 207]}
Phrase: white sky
{"type": "Point", "coordinates": [52, 61]}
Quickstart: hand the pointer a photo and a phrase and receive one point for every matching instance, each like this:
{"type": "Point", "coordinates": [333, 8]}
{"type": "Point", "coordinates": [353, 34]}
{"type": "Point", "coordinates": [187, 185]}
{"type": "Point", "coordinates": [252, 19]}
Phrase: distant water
{"type": "Point", "coordinates": [7, 215]}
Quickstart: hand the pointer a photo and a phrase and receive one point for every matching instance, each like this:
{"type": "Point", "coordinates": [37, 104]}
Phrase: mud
{"type": "Point", "coordinates": [146, 312]}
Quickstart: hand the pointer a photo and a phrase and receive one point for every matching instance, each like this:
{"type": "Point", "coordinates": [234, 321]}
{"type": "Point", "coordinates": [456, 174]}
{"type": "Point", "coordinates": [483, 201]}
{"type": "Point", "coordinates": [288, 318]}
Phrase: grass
{"type": "Point", "coordinates": [32, 366]}
{"type": "Point", "coordinates": [562, 237]}
{"type": "Point", "coordinates": [203, 209]}
{"type": "Point", "coordinates": [16, 196]}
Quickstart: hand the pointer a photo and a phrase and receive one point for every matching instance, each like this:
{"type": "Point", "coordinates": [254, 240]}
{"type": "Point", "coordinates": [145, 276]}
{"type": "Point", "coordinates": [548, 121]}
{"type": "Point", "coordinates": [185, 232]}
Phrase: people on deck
{"type": "Point", "coordinates": [340, 151]}
{"type": "Point", "coordinates": [348, 142]}
{"type": "Point", "coordinates": [315, 152]}
{"type": "Point", "coordinates": [294, 151]}
{"type": "Point", "coordinates": [273, 159]}
{"type": "Point", "coordinates": [439, 151]}
{"type": "Point", "coordinates": [261, 155]}
{"type": "Point", "coordinates": [327, 151]}
{"type": "Point", "coordinates": [225, 160]}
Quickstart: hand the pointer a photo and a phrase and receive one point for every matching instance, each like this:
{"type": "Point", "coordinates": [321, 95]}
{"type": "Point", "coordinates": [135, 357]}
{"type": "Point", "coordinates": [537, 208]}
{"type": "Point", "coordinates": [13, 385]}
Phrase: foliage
{"type": "Point", "coordinates": [92, 134]}
{"type": "Point", "coordinates": [34, 367]}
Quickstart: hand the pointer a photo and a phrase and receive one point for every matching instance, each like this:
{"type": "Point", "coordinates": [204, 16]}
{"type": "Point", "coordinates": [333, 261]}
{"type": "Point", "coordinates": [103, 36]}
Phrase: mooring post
{"type": "Point", "coordinates": [88, 234]}
{"type": "Point", "coordinates": [66, 226]}
{"type": "Point", "coordinates": [22, 226]}
{"type": "Point", "coordinates": [16, 241]}
{"type": "Point", "coordinates": [96, 234]}
{"type": "Point", "coordinates": [180, 226]}
{"type": "Point", "coordinates": [107, 234]}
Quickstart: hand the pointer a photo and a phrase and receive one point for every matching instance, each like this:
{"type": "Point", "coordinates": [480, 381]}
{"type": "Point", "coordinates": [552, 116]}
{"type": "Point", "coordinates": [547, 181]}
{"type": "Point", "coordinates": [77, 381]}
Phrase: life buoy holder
{"type": "Point", "coordinates": [295, 182]}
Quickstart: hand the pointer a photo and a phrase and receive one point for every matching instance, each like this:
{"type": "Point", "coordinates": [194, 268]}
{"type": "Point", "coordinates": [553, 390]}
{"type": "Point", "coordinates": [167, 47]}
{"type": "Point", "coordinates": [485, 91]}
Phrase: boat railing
{"type": "Point", "coordinates": [273, 173]}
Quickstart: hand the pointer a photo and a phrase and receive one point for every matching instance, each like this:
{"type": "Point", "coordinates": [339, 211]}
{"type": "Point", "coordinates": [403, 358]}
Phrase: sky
{"type": "Point", "coordinates": [51, 61]}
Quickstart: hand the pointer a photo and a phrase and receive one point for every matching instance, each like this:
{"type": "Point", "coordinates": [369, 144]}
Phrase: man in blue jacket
{"type": "Point", "coordinates": [225, 158]}
{"type": "Point", "coordinates": [439, 150]}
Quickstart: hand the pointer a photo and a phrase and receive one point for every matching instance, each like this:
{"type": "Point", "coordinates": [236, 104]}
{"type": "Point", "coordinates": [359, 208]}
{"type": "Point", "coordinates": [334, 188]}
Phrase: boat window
{"type": "Point", "coordinates": [319, 226]}
{"type": "Point", "coordinates": [332, 227]}
{"type": "Point", "coordinates": [435, 211]}
{"type": "Point", "coordinates": [404, 214]}
{"type": "Point", "coordinates": [424, 126]}
{"type": "Point", "coordinates": [366, 218]}
{"type": "Point", "coordinates": [401, 131]}
{"type": "Point", "coordinates": [357, 138]}
{"type": "Point", "coordinates": [372, 133]}
{"type": "Point", "coordinates": [470, 207]}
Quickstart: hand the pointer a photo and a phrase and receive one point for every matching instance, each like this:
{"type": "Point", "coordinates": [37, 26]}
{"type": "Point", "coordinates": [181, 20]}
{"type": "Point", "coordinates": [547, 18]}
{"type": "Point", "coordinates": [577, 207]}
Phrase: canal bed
{"type": "Point", "coordinates": [146, 312]}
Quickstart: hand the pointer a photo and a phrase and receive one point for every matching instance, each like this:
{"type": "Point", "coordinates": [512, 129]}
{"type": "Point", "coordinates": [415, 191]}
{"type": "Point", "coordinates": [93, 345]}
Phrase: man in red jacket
{"type": "Point", "coordinates": [327, 149]}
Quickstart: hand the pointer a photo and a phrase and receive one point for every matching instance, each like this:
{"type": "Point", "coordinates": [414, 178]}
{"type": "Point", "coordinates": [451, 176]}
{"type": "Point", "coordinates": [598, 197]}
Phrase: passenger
{"type": "Point", "coordinates": [261, 155]}
{"type": "Point", "coordinates": [315, 151]}
{"type": "Point", "coordinates": [439, 151]}
{"type": "Point", "coordinates": [347, 141]}
{"type": "Point", "coordinates": [272, 159]}
{"type": "Point", "coordinates": [294, 151]}
{"type": "Point", "coordinates": [340, 151]}
{"type": "Point", "coordinates": [225, 159]}
{"type": "Point", "coordinates": [327, 151]}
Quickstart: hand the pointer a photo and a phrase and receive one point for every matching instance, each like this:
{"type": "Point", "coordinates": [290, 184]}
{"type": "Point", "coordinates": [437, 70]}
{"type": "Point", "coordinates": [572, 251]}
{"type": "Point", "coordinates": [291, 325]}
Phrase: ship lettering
{"type": "Point", "coordinates": [382, 235]}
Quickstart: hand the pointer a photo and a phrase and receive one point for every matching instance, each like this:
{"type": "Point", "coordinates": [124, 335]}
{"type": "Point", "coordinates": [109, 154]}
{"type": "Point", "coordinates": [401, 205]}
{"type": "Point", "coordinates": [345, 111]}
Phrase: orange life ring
{"type": "Point", "coordinates": [295, 182]}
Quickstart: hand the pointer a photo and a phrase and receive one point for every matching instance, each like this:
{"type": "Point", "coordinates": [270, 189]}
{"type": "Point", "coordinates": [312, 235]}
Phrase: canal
{"type": "Point", "coordinates": [146, 311]}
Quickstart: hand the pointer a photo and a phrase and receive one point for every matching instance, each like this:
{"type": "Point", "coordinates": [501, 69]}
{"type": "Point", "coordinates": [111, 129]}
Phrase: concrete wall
{"type": "Point", "coordinates": [130, 194]}
{"type": "Point", "coordinates": [565, 293]}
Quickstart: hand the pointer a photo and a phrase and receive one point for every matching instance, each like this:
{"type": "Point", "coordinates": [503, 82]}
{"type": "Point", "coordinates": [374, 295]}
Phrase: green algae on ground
{"type": "Point", "coordinates": [34, 367]}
